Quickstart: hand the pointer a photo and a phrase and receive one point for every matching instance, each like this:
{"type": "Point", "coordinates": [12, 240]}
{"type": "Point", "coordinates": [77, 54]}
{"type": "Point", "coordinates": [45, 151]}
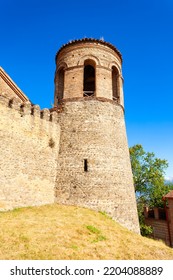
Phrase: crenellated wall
{"type": "Point", "coordinates": [29, 146]}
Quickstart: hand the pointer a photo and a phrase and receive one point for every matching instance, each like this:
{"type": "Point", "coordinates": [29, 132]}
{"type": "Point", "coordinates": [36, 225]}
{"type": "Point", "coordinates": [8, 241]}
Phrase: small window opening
{"type": "Point", "coordinates": [85, 165]}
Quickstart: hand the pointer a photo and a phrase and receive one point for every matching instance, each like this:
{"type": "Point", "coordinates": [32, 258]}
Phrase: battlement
{"type": "Point", "coordinates": [26, 109]}
{"type": "Point", "coordinates": [29, 147]}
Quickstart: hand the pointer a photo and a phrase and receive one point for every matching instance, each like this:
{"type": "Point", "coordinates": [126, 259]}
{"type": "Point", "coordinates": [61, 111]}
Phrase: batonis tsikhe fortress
{"type": "Point", "coordinates": [75, 153]}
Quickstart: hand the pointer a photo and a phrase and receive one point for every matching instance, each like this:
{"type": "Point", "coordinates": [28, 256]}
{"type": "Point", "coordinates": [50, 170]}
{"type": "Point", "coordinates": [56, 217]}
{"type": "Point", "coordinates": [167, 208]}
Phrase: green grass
{"type": "Point", "coordinates": [68, 232]}
{"type": "Point", "coordinates": [97, 233]}
{"type": "Point", "coordinates": [93, 229]}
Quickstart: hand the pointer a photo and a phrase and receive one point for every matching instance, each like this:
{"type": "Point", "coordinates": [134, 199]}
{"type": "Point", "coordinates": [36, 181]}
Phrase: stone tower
{"type": "Point", "coordinates": [94, 168]}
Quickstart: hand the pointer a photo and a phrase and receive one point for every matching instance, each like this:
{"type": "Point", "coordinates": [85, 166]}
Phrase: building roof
{"type": "Point", "coordinates": [90, 40]}
{"type": "Point", "coordinates": [168, 195]}
{"type": "Point", "coordinates": [12, 85]}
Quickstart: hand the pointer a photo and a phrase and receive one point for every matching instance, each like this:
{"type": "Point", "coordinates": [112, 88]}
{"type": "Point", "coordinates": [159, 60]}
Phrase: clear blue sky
{"type": "Point", "coordinates": [32, 31]}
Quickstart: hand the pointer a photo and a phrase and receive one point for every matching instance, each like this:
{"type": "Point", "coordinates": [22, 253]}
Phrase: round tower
{"type": "Point", "coordinates": [94, 168]}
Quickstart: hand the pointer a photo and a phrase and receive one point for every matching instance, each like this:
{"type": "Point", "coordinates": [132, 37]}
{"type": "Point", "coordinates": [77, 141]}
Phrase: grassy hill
{"type": "Point", "coordinates": [69, 232]}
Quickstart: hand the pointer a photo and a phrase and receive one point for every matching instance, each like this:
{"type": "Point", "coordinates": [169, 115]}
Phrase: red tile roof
{"type": "Point", "coordinates": [168, 195]}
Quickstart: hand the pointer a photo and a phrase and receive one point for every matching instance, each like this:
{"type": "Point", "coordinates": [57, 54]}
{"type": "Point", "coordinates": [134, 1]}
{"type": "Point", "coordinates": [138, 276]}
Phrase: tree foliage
{"type": "Point", "coordinates": [148, 175]}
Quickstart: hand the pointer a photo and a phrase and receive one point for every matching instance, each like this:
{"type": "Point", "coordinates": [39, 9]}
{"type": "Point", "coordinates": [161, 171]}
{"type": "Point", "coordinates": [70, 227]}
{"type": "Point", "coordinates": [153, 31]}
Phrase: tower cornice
{"type": "Point", "coordinates": [89, 40]}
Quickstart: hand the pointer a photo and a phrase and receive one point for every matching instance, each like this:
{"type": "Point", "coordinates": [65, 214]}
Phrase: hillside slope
{"type": "Point", "coordinates": [69, 232]}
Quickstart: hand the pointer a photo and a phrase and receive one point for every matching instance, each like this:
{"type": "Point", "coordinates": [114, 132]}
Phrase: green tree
{"type": "Point", "coordinates": [148, 175]}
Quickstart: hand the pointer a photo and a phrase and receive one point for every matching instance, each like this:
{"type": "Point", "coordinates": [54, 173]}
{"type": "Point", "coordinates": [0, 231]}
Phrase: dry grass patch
{"type": "Point", "coordinates": [69, 232]}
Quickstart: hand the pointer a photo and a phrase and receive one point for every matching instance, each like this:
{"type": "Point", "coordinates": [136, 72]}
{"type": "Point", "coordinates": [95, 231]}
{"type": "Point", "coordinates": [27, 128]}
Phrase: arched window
{"type": "Point", "coordinates": [115, 85]}
{"type": "Point", "coordinates": [89, 78]}
{"type": "Point", "coordinates": [60, 83]}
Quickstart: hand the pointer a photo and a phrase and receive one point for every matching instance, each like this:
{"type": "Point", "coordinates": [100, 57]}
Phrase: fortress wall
{"type": "Point", "coordinates": [28, 154]}
{"type": "Point", "coordinates": [95, 130]}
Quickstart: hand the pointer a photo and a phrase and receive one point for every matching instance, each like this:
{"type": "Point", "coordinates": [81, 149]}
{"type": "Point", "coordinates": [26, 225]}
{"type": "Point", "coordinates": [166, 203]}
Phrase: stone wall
{"type": "Point", "coordinates": [29, 146]}
{"type": "Point", "coordinates": [94, 130]}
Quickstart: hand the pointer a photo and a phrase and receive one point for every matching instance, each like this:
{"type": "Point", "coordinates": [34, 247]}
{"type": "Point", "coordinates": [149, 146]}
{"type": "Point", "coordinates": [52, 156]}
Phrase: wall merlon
{"type": "Point", "coordinates": [4, 100]}
{"type": "Point", "coordinates": [45, 114]}
{"type": "Point", "coordinates": [25, 108]}
{"type": "Point", "coordinates": [54, 117]}
{"type": "Point", "coordinates": [35, 111]}
{"type": "Point", "coordinates": [15, 103]}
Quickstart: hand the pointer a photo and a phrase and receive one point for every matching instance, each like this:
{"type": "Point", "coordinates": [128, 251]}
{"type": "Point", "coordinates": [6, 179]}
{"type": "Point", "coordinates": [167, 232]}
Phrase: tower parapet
{"type": "Point", "coordinates": [88, 68]}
